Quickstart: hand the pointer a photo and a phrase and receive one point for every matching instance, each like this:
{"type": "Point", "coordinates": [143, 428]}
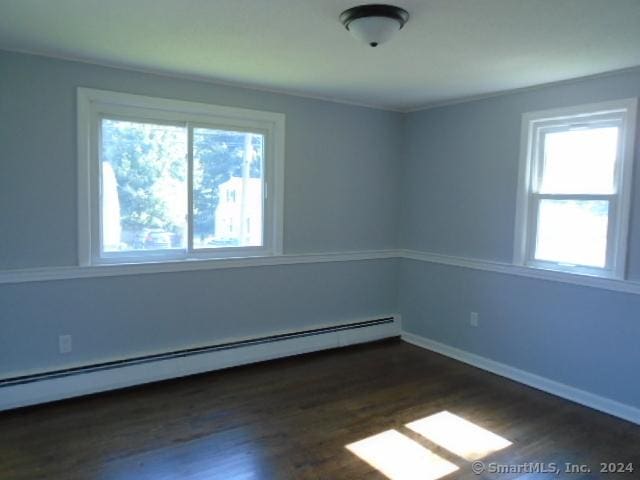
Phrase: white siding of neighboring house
{"type": "Point", "coordinates": [231, 222]}
{"type": "Point", "coordinates": [111, 228]}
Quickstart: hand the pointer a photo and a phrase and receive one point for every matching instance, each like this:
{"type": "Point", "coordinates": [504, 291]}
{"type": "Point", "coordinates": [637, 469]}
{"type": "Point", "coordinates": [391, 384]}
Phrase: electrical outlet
{"type": "Point", "coordinates": [65, 344]}
{"type": "Point", "coordinates": [474, 319]}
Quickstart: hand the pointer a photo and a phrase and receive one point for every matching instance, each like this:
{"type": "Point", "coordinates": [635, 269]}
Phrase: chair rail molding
{"type": "Point", "coordinates": [625, 286]}
{"type": "Point", "coordinates": [71, 272]}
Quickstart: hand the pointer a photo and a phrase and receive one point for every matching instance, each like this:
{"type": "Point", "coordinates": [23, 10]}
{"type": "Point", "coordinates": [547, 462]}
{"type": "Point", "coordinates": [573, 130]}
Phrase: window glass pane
{"type": "Point", "coordinates": [143, 185]}
{"type": "Point", "coordinates": [580, 161]}
{"type": "Point", "coordinates": [227, 188]}
{"type": "Point", "coordinates": [573, 232]}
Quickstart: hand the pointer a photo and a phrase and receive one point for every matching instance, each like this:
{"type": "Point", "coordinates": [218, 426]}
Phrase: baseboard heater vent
{"type": "Point", "coordinates": [57, 374]}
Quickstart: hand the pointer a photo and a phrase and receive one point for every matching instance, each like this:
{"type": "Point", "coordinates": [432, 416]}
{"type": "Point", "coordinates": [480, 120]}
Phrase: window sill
{"type": "Point", "coordinates": [181, 256]}
{"type": "Point", "coordinates": [571, 270]}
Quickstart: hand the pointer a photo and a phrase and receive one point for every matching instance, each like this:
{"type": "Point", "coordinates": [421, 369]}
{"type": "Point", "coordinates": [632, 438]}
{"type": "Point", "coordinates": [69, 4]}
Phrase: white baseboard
{"type": "Point", "coordinates": [612, 407]}
{"type": "Point", "coordinates": [83, 383]}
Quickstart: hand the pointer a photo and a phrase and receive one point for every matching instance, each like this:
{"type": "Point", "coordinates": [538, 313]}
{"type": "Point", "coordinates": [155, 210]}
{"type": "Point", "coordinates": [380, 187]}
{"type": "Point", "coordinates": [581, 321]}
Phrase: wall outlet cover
{"type": "Point", "coordinates": [65, 343]}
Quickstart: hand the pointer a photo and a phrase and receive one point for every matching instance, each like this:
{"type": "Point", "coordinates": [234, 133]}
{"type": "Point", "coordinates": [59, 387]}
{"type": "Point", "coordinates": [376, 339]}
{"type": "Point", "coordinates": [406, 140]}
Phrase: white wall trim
{"type": "Point", "coordinates": [603, 404]}
{"type": "Point", "coordinates": [48, 390]}
{"type": "Point", "coordinates": [182, 75]}
{"type": "Point", "coordinates": [66, 273]}
{"type": "Point", "coordinates": [509, 91]}
{"type": "Point", "coordinates": [625, 286]}
{"type": "Point", "coordinates": [419, 107]}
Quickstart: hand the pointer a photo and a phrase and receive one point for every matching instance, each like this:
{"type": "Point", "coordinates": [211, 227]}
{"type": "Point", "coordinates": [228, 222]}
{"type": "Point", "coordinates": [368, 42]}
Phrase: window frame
{"type": "Point", "coordinates": [94, 105]}
{"type": "Point", "coordinates": [535, 125]}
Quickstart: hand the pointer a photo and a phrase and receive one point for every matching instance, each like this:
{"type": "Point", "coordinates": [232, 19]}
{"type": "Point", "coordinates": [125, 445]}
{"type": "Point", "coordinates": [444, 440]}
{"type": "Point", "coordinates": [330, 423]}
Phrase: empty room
{"type": "Point", "coordinates": [319, 239]}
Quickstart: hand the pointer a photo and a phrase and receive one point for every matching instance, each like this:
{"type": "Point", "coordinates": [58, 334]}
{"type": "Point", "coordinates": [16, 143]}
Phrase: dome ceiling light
{"type": "Point", "coordinates": [374, 24]}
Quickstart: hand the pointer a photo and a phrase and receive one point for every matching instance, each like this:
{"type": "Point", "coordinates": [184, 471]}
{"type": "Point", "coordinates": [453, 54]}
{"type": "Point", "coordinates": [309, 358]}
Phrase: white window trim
{"type": "Point", "coordinates": [91, 104]}
{"type": "Point", "coordinates": [625, 110]}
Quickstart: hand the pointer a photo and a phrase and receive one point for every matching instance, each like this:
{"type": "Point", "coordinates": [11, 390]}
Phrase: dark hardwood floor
{"type": "Point", "coordinates": [291, 419]}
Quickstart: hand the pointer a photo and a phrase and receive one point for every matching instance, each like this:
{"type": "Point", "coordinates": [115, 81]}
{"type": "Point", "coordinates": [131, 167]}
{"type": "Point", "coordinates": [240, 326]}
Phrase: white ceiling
{"type": "Point", "coordinates": [449, 49]}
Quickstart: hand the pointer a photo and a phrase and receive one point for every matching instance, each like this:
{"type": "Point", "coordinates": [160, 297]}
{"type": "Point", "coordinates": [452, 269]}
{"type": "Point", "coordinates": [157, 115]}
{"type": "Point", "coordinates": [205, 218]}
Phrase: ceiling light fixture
{"type": "Point", "coordinates": [374, 24]}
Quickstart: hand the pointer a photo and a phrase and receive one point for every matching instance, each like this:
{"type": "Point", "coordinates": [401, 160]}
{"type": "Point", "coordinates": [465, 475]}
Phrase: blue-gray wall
{"type": "Point", "coordinates": [459, 181]}
{"type": "Point", "coordinates": [118, 317]}
{"type": "Point", "coordinates": [341, 190]}
{"type": "Point", "coordinates": [441, 180]}
{"type": "Point", "coordinates": [341, 176]}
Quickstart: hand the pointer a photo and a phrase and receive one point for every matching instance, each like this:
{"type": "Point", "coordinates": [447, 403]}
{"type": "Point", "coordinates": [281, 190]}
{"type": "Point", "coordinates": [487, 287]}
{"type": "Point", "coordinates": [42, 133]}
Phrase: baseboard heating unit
{"type": "Point", "coordinates": [31, 389]}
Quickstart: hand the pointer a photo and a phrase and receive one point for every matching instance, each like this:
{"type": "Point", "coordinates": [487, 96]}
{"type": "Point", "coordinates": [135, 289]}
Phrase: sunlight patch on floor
{"type": "Point", "coordinates": [400, 458]}
{"type": "Point", "coordinates": [459, 436]}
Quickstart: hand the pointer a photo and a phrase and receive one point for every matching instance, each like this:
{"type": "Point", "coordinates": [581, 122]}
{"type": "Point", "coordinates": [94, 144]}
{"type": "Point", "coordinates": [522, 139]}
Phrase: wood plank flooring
{"type": "Point", "coordinates": [291, 419]}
